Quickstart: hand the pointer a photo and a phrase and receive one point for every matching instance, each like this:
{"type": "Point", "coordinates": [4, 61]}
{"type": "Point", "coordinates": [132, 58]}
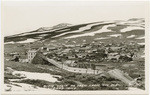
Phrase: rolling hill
{"type": "Point", "coordinates": [104, 31]}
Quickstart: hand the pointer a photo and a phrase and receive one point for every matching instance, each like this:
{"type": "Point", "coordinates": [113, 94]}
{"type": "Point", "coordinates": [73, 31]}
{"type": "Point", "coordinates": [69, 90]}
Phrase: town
{"type": "Point", "coordinates": [94, 58]}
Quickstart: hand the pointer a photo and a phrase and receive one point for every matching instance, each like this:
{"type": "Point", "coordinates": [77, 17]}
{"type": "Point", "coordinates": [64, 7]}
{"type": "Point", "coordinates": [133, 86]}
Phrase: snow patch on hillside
{"type": "Point", "coordinates": [9, 42]}
{"type": "Point", "coordinates": [43, 35]}
{"type": "Point", "coordinates": [141, 37]}
{"type": "Point", "coordinates": [27, 41]}
{"type": "Point", "coordinates": [80, 30]}
{"type": "Point", "coordinates": [130, 28]}
{"type": "Point", "coordinates": [40, 32]}
{"type": "Point", "coordinates": [115, 35]}
{"type": "Point", "coordinates": [141, 43]}
{"type": "Point", "coordinates": [131, 36]}
{"type": "Point", "coordinates": [104, 29]}
{"type": "Point", "coordinates": [101, 38]}
{"type": "Point", "coordinates": [39, 76]}
{"type": "Point", "coordinates": [143, 56]}
{"type": "Point", "coordinates": [138, 23]}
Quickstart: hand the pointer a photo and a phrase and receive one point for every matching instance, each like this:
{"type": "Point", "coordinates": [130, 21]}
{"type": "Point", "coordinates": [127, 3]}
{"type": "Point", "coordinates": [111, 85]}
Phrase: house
{"type": "Point", "coordinates": [109, 67]}
{"type": "Point", "coordinates": [100, 66]}
{"type": "Point", "coordinates": [136, 56]}
{"type": "Point", "coordinates": [94, 50]}
{"type": "Point", "coordinates": [84, 44]}
{"type": "Point", "coordinates": [81, 55]}
{"type": "Point", "coordinates": [82, 50]}
{"type": "Point", "coordinates": [69, 46]}
{"type": "Point", "coordinates": [117, 48]}
{"type": "Point", "coordinates": [71, 63]}
{"type": "Point", "coordinates": [60, 47]}
{"type": "Point", "coordinates": [44, 48]}
{"type": "Point", "coordinates": [125, 58]}
{"type": "Point", "coordinates": [113, 49]}
{"type": "Point", "coordinates": [71, 56]}
{"type": "Point", "coordinates": [84, 65]}
{"type": "Point", "coordinates": [51, 48]}
{"type": "Point", "coordinates": [65, 51]}
{"type": "Point", "coordinates": [113, 56]}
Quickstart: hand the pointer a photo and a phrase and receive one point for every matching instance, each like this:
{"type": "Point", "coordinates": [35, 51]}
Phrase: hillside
{"type": "Point", "coordinates": [107, 54]}
{"type": "Point", "coordinates": [104, 31]}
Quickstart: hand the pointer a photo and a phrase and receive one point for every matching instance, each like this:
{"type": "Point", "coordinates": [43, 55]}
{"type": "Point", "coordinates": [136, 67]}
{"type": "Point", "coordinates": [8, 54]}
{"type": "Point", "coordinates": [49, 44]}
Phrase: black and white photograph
{"type": "Point", "coordinates": [60, 46]}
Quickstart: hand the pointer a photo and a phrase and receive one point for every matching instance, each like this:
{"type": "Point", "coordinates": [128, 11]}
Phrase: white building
{"type": "Point", "coordinates": [31, 54]}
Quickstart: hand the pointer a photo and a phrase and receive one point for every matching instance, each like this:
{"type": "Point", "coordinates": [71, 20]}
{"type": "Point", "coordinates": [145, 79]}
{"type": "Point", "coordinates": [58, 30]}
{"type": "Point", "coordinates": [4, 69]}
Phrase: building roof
{"type": "Point", "coordinates": [113, 54]}
{"type": "Point", "coordinates": [69, 61]}
{"type": "Point", "coordinates": [66, 50]}
{"type": "Point", "coordinates": [115, 48]}
{"type": "Point", "coordinates": [99, 64]}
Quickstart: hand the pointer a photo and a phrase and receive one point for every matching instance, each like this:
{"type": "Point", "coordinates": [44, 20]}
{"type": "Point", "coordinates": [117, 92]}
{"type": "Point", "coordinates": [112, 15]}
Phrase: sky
{"type": "Point", "coordinates": [25, 16]}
